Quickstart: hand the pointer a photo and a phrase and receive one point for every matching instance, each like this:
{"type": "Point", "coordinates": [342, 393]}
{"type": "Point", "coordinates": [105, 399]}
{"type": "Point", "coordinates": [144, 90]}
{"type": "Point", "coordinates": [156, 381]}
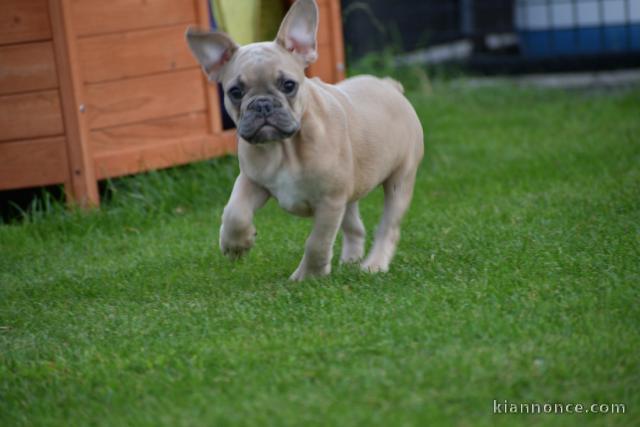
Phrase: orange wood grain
{"type": "Point", "coordinates": [27, 67]}
{"type": "Point", "coordinates": [324, 25]}
{"type": "Point", "coordinates": [330, 64]}
{"type": "Point", "coordinates": [23, 21]}
{"type": "Point", "coordinates": [81, 186]}
{"type": "Point", "coordinates": [170, 153]}
{"type": "Point", "coordinates": [30, 115]}
{"type": "Point", "coordinates": [150, 97]}
{"type": "Point", "coordinates": [337, 40]}
{"type": "Point", "coordinates": [132, 54]}
{"type": "Point", "coordinates": [32, 163]}
{"type": "Point", "coordinates": [122, 138]}
{"type": "Point", "coordinates": [212, 93]}
{"type": "Point", "coordinates": [324, 67]}
{"type": "Point", "coordinates": [107, 16]}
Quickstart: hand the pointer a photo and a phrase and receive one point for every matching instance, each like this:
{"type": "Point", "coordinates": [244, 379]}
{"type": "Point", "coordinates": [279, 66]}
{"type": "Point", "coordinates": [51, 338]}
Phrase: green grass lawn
{"type": "Point", "coordinates": [517, 278]}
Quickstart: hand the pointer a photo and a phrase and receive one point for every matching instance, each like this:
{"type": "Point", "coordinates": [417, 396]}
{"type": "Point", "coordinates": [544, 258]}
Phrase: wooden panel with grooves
{"type": "Point", "coordinates": [23, 21]}
{"type": "Point", "coordinates": [27, 67]}
{"type": "Point", "coordinates": [150, 97]}
{"type": "Point", "coordinates": [110, 85]}
{"type": "Point", "coordinates": [32, 163]}
{"type": "Point", "coordinates": [132, 54]}
{"type": "Point", "coordinates": [30, 115]}
{"type": "Point", "coordinates": [102, 16]}
{"type": "Point", "coordinates": [160, 131]}
{"type": "Point", "coordinates": [148, 157]}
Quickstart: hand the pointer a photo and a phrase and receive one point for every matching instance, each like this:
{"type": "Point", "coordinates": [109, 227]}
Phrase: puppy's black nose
{"type": "Point", "coordinates": [262, 106]}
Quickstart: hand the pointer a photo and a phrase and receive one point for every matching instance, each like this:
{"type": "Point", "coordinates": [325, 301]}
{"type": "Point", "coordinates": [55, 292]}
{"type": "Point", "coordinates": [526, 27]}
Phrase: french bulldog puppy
{"type": "Point", "coordinates": [316, 148]}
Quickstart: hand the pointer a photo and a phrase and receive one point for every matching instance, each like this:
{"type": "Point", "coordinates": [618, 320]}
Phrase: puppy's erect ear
{"type": "Point", "coordinates": [298, 31]}
{"type": "Point", "coordinates": [212, 50]}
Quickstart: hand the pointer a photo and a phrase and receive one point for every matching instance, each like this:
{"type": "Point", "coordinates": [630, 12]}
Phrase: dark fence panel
{"type": "Point", "coordinates": [540, 34]}
{"type": "Point", "coordinates": [405, 24]}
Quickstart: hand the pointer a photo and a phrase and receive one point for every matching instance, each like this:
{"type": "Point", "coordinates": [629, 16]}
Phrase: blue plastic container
{"type": "Point", "coordinates": [553, 28]}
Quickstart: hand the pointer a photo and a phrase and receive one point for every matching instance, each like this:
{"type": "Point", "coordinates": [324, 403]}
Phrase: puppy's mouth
{"type": "Point", "coordinates": [263, 130]}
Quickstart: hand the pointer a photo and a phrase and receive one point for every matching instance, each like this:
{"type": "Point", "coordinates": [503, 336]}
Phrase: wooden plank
{"type": "Point", "coordinates": [27, 67]}
{"type": "Point", "coordinates": [324, 67]}
{"type": "Point", "coordinates": [143, 98]}
{"type": "Point", "coordinates": [122, 138]}
{"type": "Point", "coordinates": [171, 153]}
{"type": "Point", "coordinates": [324, 23]}
{"type": "Point", "coordinates": [132, 54]}
{"type": "Point", "coordinates": [108, 16]}
{"type": "Point", "coordinates": [337, 40]}
{"type": "Point", "coordinates": [30, 115]}
{"type": "Point", "coordinates": [330, 65]}
{"type": "Point", "coordinates": [32, 163]}
{"type": "Point", "coordinates": [211, 89]}
{"type": "Point", "coordinates": [81, 186]}
{"type": "Point", "coordinates": [24, 21]}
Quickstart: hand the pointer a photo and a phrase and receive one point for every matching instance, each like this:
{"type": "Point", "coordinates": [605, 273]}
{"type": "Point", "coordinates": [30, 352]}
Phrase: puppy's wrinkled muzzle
{"type": "Point", "coordinates": [264, 120]}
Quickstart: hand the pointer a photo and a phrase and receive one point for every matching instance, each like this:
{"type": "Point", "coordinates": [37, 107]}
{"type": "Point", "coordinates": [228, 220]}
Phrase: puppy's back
{"type": "Point", "coordinates": [385, 130]}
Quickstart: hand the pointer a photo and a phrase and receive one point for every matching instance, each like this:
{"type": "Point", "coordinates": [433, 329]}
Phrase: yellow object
{"type": "Point", "coordinates": [248, 21]}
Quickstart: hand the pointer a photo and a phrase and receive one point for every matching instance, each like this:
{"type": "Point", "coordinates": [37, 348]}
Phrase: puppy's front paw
{"type": "Point", "coordinates": [304, 272]}
{"type": "Point", "coordinates": [237, 244]}
{"type": "Point", "coordinates": [374, 266]}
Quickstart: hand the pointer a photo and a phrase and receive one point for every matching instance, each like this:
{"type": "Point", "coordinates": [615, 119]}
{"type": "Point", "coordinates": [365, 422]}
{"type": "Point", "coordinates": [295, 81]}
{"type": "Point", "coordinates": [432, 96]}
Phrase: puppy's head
{"type": "Point", "coordinates": [263, 83]}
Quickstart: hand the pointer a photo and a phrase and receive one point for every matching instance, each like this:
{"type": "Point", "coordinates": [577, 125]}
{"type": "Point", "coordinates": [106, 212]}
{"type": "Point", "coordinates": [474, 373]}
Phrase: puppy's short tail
{"type": "Point", "coordinates": [396, 84]}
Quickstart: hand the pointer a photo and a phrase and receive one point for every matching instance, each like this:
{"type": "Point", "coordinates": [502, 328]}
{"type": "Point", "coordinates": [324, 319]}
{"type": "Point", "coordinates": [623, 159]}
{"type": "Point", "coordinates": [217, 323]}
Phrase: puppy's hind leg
{"type": "Point", "coordinates": [398, 189]}
{"type": "Point", "coordinates": [353, 234]}
{"type": "Point", "coordinates": [319, 247]}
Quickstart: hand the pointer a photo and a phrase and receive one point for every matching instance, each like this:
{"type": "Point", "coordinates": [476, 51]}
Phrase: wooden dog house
{"type": "Point", "coordinates": [94, 89]}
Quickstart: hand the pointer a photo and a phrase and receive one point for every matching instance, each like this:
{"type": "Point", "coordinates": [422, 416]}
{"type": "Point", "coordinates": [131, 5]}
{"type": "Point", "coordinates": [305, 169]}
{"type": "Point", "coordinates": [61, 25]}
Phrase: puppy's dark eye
{"type": "Point", "coordinates": [289, 86]}
{"type": "Point", "coordinates": [235, 93]}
